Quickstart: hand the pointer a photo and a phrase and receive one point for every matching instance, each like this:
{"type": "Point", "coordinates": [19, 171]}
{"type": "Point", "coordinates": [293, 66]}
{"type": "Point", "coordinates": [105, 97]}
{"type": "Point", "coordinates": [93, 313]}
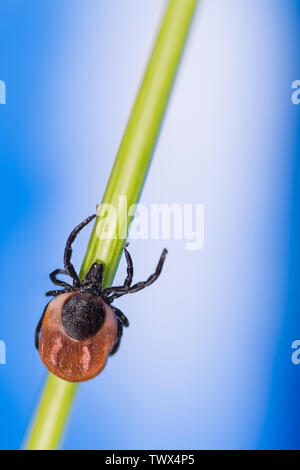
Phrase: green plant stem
{"type": "Point", "coordinates": [52, 414]}
{"type": "Point", "coordinates": [126, 180]}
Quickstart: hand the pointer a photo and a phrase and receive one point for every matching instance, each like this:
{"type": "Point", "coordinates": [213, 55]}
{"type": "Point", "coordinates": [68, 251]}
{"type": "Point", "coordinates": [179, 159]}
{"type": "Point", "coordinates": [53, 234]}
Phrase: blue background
{"type": "Point", "coordinates": [206, 362]}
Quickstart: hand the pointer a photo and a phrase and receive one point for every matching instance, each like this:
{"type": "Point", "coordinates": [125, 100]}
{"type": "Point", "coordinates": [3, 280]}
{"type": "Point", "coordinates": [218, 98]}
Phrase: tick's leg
{"type": "Point", "coordinates": [117, 344]}
{"type": "Point", "coordinates": [120, 316]}
{"type": "Point", "coordinates": [58, 282]}
{"type": "Point", "coordinates": [38, 328]}
{"type": "Point", "coordinates": [122, 321]}
{"type": "Point", "coordinates": [128, 279]}
{"type": "Point", "coordinates": [140, 285]}
{"type": "Point", "coordinates": [68, 250]}
{"type": "Point", "coordinates": [54, 293]}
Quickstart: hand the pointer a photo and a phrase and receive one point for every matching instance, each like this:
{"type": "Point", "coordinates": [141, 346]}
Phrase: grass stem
{"type": "Point", "coordinates": [126, 179]}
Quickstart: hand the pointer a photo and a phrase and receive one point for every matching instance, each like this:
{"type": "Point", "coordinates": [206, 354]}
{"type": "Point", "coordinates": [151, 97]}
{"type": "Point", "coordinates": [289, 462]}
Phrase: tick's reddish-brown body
{"type": "Point", "coordinates": [71, 359]}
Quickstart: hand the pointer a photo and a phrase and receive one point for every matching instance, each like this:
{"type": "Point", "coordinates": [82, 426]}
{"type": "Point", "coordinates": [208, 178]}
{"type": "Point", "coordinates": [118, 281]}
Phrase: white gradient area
{"type": "Point", "coordinates": [195, 365]}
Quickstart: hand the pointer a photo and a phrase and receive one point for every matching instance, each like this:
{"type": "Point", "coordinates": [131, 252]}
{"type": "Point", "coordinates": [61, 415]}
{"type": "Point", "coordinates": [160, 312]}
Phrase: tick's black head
{"type": "Point", "coordinates": [82, 316]}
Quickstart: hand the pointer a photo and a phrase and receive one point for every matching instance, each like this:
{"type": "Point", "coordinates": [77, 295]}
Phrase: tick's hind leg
{"type": "Point", "coordinates": [122, 321]}
{"type": "Point", "coordinates": [117, 343]}
{"type": "Point", "coordinates": [38, 328]}
{"type": "Point", "coordinates": [120, 316]}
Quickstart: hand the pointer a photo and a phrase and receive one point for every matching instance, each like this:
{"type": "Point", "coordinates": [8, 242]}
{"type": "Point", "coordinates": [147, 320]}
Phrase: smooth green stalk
{"type": "Point", "coordinates": [126, 181]}
{"type": "Point", "coordinates": [52, 414]}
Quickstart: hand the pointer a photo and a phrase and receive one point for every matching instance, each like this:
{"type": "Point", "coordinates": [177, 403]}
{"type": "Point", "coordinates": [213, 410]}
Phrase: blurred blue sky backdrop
{"type": "Point", "coordinates": [206, 362]}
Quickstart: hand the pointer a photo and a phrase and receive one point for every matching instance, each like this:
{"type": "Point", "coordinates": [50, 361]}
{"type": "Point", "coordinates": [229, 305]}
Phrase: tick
{"type": "Point", "coordinates": [80, 327]}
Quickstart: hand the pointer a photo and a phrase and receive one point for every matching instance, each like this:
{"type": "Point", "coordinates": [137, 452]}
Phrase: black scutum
{"type": "Point", "coordinates": [82, 316]}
